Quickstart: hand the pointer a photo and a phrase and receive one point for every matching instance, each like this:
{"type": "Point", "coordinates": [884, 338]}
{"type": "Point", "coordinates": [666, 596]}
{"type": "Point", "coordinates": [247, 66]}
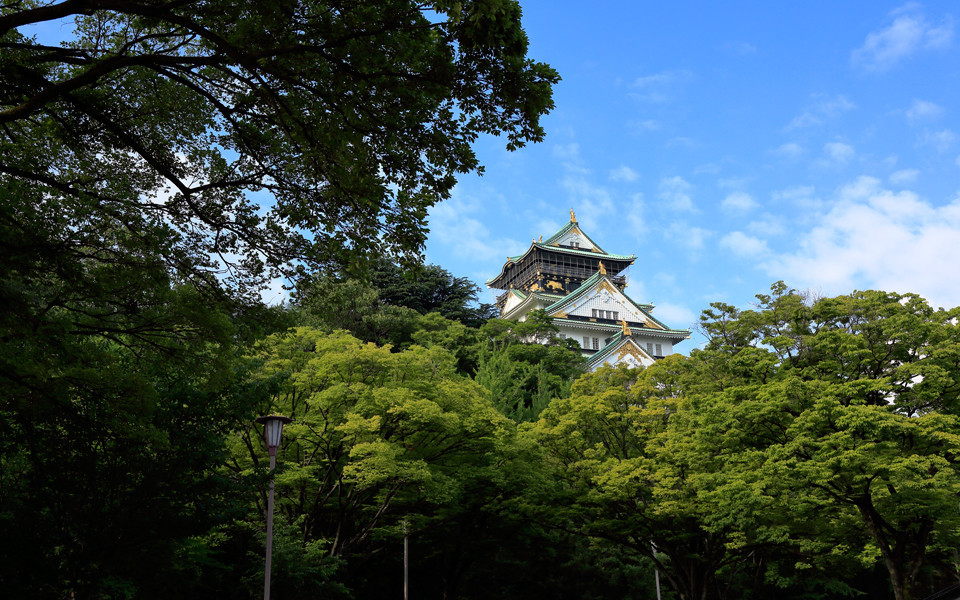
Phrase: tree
{"type": "Point", "coordinates": [631, 478]}
{"type": "Point", "coordinates": [430, 289]}
{"type": "Point", "coordinates": [851, 404]}
{"type": "Point", "coordinates": [379, 438]}
{"type": "Point", "coordinates": [155, 169]}
{"type": "Point", "coordinates": [109, 448]}
{"type": "Point", "coordinates": [523, 364]}
{"type": "Point", "coordinates": [226, 139]}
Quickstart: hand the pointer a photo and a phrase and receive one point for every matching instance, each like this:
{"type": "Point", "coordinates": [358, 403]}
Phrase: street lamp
{"type": "Point", "coordinates": [272, 430]}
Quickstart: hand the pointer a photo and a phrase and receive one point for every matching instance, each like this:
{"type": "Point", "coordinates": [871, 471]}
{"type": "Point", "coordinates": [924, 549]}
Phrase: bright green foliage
{"type": "Point", "coordinates": [628, 480]}
{"type": "Point", "coordinates": [808, 443]}
{"type": "Point", "coordinates": [433, 329]}
{"type": "Point", "coordinates": [380, 437]}
{"type": "Point", "coordinates": [523, 365]}
{"type": "Point", "coordinates": [848, 404]}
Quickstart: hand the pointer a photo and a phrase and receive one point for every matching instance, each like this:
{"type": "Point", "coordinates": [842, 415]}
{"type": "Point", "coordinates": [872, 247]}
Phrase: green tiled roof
{"type": "Point", "coordinates": [604, 352]}
{"type": "Point", "coordinates": [609, 349]}
{"type": "Point", "coordinates": [548, 297]}
{"type": "Point", "coordinates": [601, 254]}
{"type": "Point", "coordinates": [585, 289]}
{"type": "Point", "coordinates": [565, 229]}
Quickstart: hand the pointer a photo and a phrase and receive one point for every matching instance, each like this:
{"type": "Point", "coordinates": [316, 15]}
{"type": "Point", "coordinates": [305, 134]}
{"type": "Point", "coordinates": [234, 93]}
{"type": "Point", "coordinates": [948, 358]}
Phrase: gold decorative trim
{"type": "Point", "coordinates": [629, 349]}
{"type": "Point", "coordinates": [605, 285]}
{"type": "Point", "coordinates": [573, 217]}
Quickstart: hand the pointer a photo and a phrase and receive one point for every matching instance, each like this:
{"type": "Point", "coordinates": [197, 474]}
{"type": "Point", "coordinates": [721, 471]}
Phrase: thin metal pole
{"type": "Point", "coordinates": [656, 570]}
{"type": "Point", "coordinates": [406, 563]}
{"type": "Point", "coordinates": [266, 571]}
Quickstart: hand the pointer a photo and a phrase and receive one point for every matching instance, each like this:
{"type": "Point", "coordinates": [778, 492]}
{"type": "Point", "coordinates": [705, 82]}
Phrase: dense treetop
{"type": "Point", "coordinates": [231, 138]}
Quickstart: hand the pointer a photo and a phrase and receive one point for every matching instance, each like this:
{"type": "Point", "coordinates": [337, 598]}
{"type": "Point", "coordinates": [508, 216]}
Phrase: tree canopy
{"type": "Point", "coordinates": [226, 139]}
{"type": "Point", "coordinates": [157, 167]}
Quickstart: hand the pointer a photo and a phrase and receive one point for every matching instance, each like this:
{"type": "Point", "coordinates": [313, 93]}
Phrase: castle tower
{"type": "Point", "coordinates": [581, 287]}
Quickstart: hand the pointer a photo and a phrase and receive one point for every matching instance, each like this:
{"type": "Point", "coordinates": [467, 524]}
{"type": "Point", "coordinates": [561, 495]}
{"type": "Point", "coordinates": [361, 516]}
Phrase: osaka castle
{"type": "Point", "coordinates": [581, 287]}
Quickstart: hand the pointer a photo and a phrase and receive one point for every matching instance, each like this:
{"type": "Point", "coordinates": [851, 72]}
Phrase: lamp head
{"type": "Point", "coordinates": [273, 430]}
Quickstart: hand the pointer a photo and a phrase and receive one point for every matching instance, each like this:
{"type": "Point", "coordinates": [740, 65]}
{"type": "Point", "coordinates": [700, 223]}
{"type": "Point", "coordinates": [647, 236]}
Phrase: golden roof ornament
{"type": "Point", "coordinates": [540, 240]}
{"type": "Point", "coordinates": [626, 328]}
{"type": "Point", "coordinates": [573, 217]}
{"type": "Point", "coordinates": [603, 270]}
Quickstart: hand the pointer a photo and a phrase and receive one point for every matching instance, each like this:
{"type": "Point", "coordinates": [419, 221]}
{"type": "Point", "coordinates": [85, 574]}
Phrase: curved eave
{"type": "Point", "coordinates": [674, 335]}
{"type": "Point", "coordinates": [615, 344]}
{"type": "Point", "coordinates": [524, 306]}
{"type": "Point", "coordinates": [590, 253]}
{"type": "Point", "coordinates": [511, 260]}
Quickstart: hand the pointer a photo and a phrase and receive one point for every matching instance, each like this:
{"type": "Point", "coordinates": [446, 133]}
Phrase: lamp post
{"type": "Point", "coordinates": [272, 431]}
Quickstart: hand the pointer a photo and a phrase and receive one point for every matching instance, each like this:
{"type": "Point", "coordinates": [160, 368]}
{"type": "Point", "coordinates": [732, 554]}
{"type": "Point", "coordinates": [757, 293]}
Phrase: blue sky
{"type": "Point", "coordinates": [731, 145]}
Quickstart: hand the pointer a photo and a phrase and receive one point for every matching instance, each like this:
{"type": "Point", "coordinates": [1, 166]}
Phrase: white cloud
{"type": "Point", "coordinates": [820, 110]}
{"type": "Point", "coordinates": [909, 33]}
{"type": "Point", "coordinates": [644, 125]}
{"type": "Point", "coordinates": [454, 226]}
{"type": "Point", "coordinates": [592, 203]}
{"type": "Point", "coordinates": [708, 169]}
{"type": "Point", "coordinates": [635, 214]}
{"type": "Point", "coordinates": [880, 239]}
{"type": "Point", "coordinates": [922, 109]}
{"type": "Point", "coordinates": [800, 192]}
{"type": "Point", "coordinates": [791, 150]}
{"type": "Point", "coordinates": [767, 226]}
{"type": "Point", "coordinates": [903, 176]}
{"type": "Point", "coordinates": [662, 78]}
{"type": "Point", "coordinates": [689, 237]}
{"type": "Point", "coordinates": [624, 173]}
{"type": "Point", "coordinates": [675, 192]}
{"type": "Point", "coordinates": [681, 142]}
{"type": "Point", "coordinates": [941, 141]}
{"type": "Point", "coordinates": [740, 48]}
{"type": "Point", "coordinates": [838, 153]}
{"type": "Point", "coordinates": [569, 151]}
{"type": "Point", "coordinates": [744, 245]}
{"type": "Point", "coordinates": [676, 315]}
{"type": "Point", "coordinates": [801, 196]}
{"type": "Point", "coordinates": [738, 202]}
{"type": "Point", "coordinates": [732, 183]}
{"type": "Point", "coordinates": [660, 87]}
{"type": "Point", "coordinates": [274, 294]}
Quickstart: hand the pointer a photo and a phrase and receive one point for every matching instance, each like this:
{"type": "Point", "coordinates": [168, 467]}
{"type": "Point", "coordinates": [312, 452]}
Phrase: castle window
{"type": "Point", "coordinates": [596, 343]}
{"type": "Point", "coordinates": [649, 347]}
{"type": "Point", "coordinates": [586, 342]}
{"type": "Point", "coordinates": [659, 350]}
{"type": "Point", "coordinates": [594, 313]}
